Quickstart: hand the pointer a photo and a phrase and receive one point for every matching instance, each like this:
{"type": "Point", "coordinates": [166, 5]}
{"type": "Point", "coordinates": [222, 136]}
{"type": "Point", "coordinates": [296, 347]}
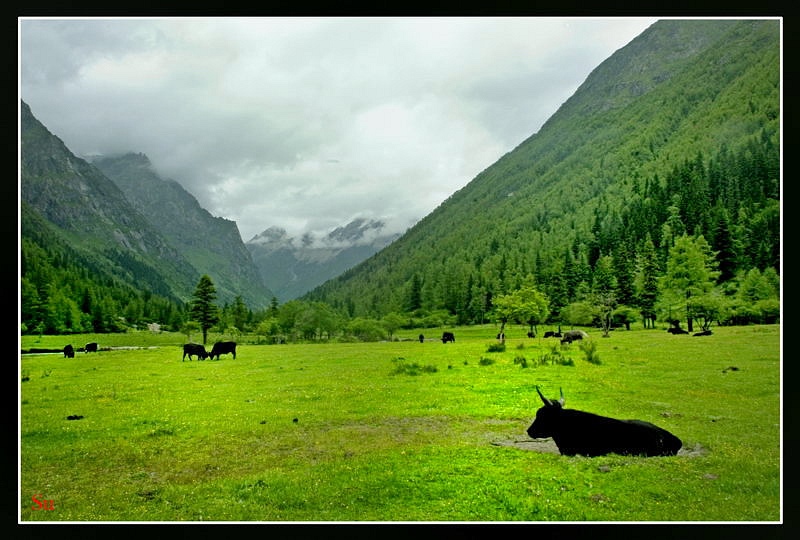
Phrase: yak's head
{"type": "Point", "coordinates": [547, 417]}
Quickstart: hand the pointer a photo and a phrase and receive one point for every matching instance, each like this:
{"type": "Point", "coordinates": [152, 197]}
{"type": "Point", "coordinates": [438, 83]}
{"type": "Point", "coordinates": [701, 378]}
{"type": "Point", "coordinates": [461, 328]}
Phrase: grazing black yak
{"type": "Point", "coordinates": [223, 347]}
{"type": "Point", "coordinates": [573, 335]}
{"type": "Point", "coordinates": [193, 349]}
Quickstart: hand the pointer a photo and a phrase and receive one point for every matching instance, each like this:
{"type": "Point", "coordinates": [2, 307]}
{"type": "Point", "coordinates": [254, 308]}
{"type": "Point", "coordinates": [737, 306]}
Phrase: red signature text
{"type": "Point", "coordinates": [40, 503]}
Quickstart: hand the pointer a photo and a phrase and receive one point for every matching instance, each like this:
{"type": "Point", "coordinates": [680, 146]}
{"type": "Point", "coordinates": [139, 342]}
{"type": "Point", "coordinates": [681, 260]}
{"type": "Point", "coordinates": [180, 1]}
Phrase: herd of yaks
{"type": "Point", "coordinates": [190, 349]}
{"type": "Point", "coordinates": [229, 347]}
{"type": "Point", "coordinates": [567, 337]}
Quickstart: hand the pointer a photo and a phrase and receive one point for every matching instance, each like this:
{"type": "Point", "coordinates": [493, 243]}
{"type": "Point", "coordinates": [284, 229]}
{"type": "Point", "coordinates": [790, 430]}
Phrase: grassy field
{"type": "Point", "coordinates": [397, 431]}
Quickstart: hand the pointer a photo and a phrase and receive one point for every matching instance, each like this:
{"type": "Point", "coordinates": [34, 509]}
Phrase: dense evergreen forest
{"type": "Point", "coordinates": [652, 196]}
{"type": "Point", "coordinates": [730, 201]}
{"type": "Point", "coordinates": [61, 292]}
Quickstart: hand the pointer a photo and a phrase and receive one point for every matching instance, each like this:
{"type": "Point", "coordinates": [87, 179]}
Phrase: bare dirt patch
{"type": "Point", "coordinates": [546, 446]}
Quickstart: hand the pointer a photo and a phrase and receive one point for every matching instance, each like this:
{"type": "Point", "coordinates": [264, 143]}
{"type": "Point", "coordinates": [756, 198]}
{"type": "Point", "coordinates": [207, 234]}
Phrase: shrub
{"type": "Point", "coordinates": [555, 358]}
{"type": "Point", "coordinates": [486, 361]}
{"type": "Point", "coordinates": [589, 348]}
{"type": "Point", "coordinates": [521, 360]}
{"type": "Point", "coordinates": [366, 329]}
{"type": "Point", "coordinates": [770, 310]}
{"type": "Point", "coordinates": [413, 368]}
{"type": "Point", "coordinates": [496, 347]}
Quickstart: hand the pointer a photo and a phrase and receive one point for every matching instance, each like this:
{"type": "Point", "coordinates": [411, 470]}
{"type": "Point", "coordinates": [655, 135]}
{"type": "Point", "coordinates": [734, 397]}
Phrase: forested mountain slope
{"type": "Point", "coordinates": [676, 132]}
{"type": "Point", "coordinates": [92, 214]}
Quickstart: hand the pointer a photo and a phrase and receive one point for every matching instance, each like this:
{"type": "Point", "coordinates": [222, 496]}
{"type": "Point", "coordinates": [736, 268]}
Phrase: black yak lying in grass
{"type": "Point", "coordinates": [587, 434]}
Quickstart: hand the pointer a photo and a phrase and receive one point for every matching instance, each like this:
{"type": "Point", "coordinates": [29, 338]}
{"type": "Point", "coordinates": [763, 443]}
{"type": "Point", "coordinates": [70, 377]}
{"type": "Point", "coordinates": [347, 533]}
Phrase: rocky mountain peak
{"type": "Point", "coordinates": [293, 265]}
{"type": "Point", "coordinates": [272, 235]}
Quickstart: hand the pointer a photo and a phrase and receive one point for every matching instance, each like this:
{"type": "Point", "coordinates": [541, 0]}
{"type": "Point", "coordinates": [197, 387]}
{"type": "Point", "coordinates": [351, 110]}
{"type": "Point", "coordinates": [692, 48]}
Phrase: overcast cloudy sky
{"type": "Point", "coordinates": [308, 123]}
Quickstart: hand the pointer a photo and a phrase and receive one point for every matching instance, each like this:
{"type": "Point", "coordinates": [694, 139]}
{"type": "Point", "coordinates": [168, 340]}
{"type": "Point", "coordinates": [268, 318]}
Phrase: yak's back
{"type": "Point", "coordinates": [589, 434]}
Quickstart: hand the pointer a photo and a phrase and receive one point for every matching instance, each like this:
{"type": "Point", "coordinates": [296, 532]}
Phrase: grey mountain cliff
{"type": "Point", "coordinates": [212, 245]}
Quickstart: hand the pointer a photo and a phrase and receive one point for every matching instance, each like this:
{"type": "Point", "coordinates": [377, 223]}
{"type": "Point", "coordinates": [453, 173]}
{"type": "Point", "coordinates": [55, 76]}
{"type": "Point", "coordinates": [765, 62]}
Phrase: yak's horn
{"type": "Point", "coordinates": [562, 399]}
{"type": "Point", "coordinates": [544, 399]}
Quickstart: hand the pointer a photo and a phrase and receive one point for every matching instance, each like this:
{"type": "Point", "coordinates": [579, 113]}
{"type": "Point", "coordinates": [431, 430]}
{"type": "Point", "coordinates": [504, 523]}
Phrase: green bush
{"type": "Point", "coordinates": [413, 368]}
{"type": "Point", "coordinates": [555, 358]}
{"type": "Point", "coordinates": [589, 348]}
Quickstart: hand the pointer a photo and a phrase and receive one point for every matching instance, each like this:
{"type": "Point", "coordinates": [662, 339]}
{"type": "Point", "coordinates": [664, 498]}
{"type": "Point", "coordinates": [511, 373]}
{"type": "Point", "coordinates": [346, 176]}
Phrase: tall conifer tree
{"type": "Point", "coordinates": [203, 310]}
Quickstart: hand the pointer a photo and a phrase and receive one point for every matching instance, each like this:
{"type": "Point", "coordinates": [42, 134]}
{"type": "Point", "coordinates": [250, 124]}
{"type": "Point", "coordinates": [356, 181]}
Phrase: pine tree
{"type": "Point", "coordinates": [647, 282]}
{"type": "Point", "coordinates": [624, 262]}
{"type": "Point", "coordinates": [723, 245]}
{"type": "Point", "coordinates": [673, 227]}
{"type": "Point", "coordinates": [603, 294]}
{"type": "Point", "coordinates": [240, 314]}
{"type": "Point", "coordinates": [414, 298]}
{"type": "Point", "coordinates": [690, 274]}
{"type": "Point", "coordinates": [273, 307]}
{"type": "Point", "coordinates": [202, 309]}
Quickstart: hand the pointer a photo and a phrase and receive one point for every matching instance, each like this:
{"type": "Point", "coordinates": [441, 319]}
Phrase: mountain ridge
{"type": "Point", "coordinates": [91, 212]}
{"type": "Point", "coordinates": [293, 265]}
{"type": "Point", "coordinates": [211, 244]}
{"type": "Point", "coordinates": [119, 238]}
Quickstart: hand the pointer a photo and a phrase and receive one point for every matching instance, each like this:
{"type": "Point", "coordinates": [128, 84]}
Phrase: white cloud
{"type": "Point", "coordinates": [307, 123]}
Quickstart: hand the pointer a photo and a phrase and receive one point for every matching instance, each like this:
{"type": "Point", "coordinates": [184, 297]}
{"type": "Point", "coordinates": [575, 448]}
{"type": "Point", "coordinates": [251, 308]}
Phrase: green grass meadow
{"type": "Point", "coordinates": [397, 431]}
